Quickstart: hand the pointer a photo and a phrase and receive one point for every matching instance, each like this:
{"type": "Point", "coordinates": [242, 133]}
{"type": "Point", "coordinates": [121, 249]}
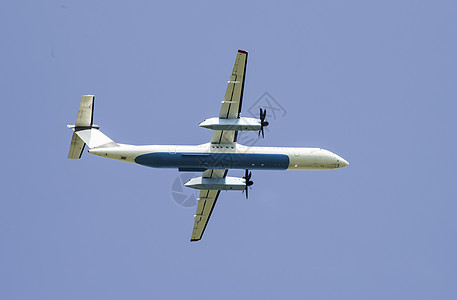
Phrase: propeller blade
{"type": "Point", "coordinates": [263, 123]}
{"type": "Point", "coordinates": [247, 181]}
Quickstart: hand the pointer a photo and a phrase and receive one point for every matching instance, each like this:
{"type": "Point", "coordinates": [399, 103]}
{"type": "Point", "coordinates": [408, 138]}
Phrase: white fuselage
{"type": "Point", "coordinates": [220, 156]}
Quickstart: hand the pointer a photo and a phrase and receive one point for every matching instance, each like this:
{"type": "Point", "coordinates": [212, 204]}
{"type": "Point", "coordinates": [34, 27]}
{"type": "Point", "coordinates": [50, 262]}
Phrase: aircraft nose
{"type": "Point", "coordinates": [342, 162]}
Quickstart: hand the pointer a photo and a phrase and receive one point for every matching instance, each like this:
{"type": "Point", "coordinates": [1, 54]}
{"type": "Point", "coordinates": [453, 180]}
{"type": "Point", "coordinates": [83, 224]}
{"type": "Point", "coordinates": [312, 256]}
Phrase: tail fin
{"type": "Point", "coordinates": [85, 132]}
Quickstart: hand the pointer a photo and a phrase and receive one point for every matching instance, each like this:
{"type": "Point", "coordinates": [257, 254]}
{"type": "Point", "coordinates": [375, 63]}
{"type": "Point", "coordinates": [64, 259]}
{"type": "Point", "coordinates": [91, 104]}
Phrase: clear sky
{"type": "Point", "coordinates": [373, 81]}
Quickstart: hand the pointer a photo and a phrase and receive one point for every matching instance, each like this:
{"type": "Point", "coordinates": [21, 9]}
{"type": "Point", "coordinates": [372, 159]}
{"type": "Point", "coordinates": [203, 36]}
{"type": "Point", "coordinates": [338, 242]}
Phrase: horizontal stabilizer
{"type": "Point", "coordinates": [86, 111]}
{"type": "Point", "coordinates": [76, 147]}
{"type": "Point", "coordinates": [85, 132]}
{"type": "Point", "coordinates": [84, 119]}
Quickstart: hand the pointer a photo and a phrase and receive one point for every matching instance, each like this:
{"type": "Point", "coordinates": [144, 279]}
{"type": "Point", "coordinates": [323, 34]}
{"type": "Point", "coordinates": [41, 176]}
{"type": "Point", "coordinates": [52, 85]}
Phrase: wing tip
{"type": "Point", "coordinates": [242, 51]}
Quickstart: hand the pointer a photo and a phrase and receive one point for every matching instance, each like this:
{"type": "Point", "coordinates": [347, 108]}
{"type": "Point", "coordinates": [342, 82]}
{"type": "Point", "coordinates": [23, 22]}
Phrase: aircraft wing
{"type": "Point", "coordinates": [231, 108]}
{"type": "Point", "coordinates": [231, 105]}
{"type": "Point", "coordinates": [206, 203]}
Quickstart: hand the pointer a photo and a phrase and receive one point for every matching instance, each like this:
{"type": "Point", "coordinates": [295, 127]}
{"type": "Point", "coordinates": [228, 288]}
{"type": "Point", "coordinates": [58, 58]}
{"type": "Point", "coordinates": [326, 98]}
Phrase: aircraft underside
{"type": "Point", "coordinates": [213, 159]}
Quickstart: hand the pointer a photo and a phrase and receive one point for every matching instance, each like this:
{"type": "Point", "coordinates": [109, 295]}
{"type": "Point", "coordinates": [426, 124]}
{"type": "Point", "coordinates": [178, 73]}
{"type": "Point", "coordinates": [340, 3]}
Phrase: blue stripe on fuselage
{"type": "Point", "coordinates": [214, 160]}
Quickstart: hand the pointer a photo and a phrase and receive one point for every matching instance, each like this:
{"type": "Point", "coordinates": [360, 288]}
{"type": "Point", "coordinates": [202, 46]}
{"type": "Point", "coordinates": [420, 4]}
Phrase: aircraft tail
{"type": "Point", "coordinates": [85, 132]}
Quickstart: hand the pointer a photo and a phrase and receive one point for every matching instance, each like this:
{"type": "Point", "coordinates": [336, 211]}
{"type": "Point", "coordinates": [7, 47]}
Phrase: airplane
{"type": "Point", "coordinates": [213, 159]}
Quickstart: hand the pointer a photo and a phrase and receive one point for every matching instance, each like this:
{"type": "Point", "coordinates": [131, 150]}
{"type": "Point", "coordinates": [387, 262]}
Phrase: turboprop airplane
{"type": "Point", "coordinates": [213, 159]}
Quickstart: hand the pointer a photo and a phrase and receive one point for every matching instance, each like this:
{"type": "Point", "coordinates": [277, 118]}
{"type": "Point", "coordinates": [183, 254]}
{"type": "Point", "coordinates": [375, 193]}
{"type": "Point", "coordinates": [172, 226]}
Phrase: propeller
{"type": "Point", "coordinates": [247, 179]}
{"type": "Point", "coordinates": [263, 123]}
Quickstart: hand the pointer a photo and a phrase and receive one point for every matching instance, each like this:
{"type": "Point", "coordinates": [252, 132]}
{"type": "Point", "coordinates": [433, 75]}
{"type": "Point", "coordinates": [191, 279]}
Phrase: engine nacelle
{"type": "Point", "coordinates": [227, 183]}
{"type": "Point", "coordinates": [241, 124]}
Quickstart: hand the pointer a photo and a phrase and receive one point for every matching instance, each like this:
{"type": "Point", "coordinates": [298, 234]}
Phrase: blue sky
{"type": "Point", "coordinates": [372, 82]}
